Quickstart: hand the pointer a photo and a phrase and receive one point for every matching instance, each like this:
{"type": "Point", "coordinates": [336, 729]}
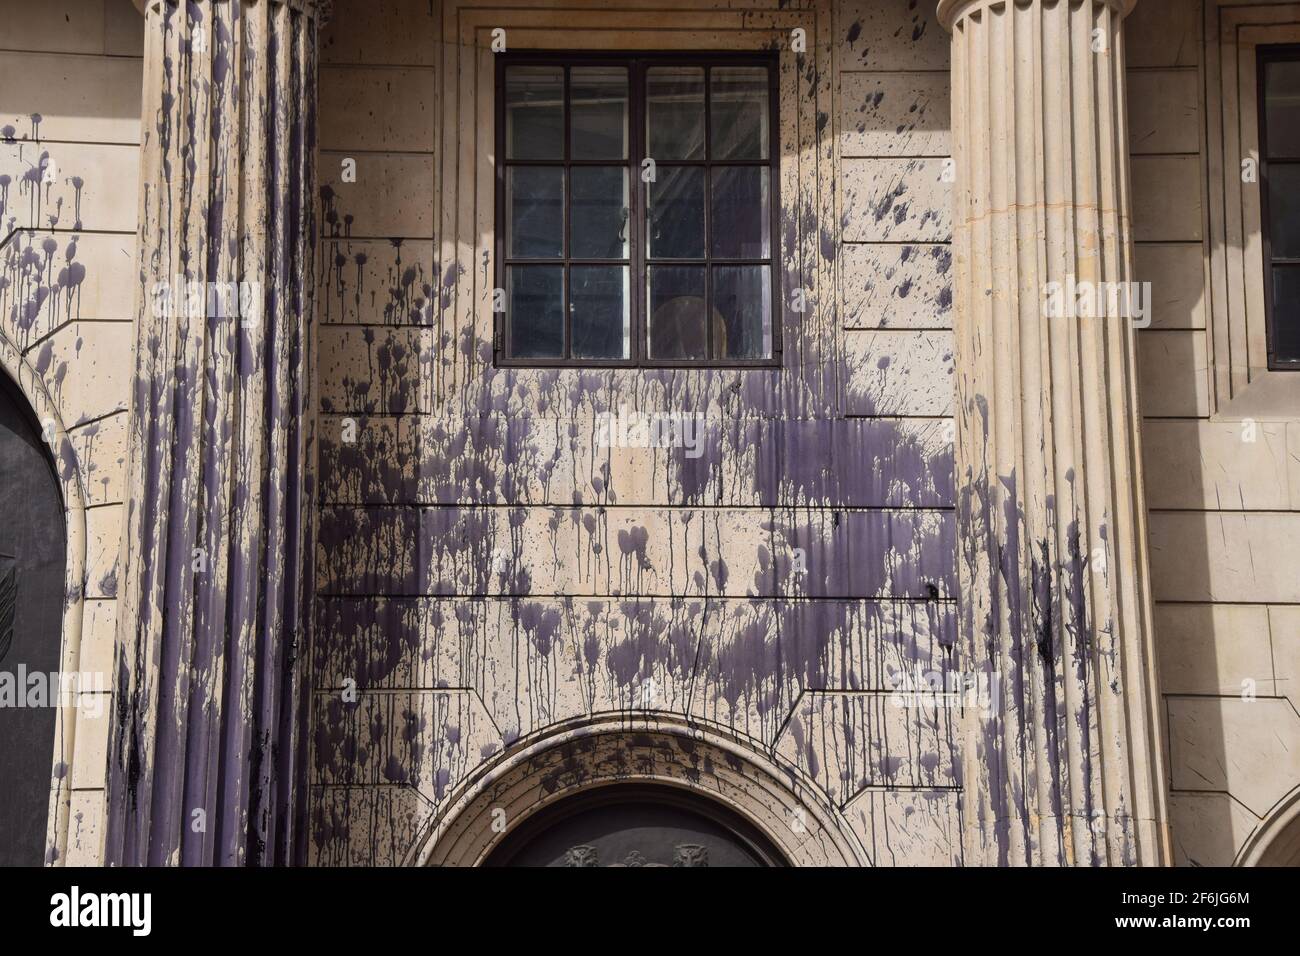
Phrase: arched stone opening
{"type": "Point", "coordinates": [1276, 841]}
{"type": "Point", "coordinates": [633, 825]}
{"type": "Point", "coordinates": [33, 566]}
{"type": "Point", "coordinates": [36, 400]}
{"type": "Point", "coordinates": [754, 804]}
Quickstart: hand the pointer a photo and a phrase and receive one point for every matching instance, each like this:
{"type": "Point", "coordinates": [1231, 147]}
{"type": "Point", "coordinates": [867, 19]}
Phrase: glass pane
{"type": "Point", "coordinates": [598, 307]}
{"type": "Point", "coordinates": [1282, 105]}
{"type": "Point", "coordinates": [535, 311]}
{"type": "Point", "coordinates": [598, 112]}
{"type": "Point", "coordinates": [738, 112]}
{"type": "Point", "coordinates": [742, 312]}
{"type": "Point", "coordinates": [674, 113]}
{"type": "Point", "coordinates": [535, 197]}
{"type": "Point", "coordinates": [1286, 313]}
{"type": "Point", "coordinates": [740, 220]}
{"type": "Point", "coordinates": [677, 307]}
{"type": "Point", "coordinates": [598, 212]}
{"type": "Point", "coordinates": [1284, 211]}
{"type": "Point", "coordinates": [675, 221]}
{"type": "Point", "coordinates": [534, 112]}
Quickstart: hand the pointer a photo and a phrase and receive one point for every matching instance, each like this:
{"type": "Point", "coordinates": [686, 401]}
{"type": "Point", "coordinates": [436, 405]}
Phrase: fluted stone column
{"type": "Point", "coordinates": [207, 754]}
{"type": "Point", "coordinates": [1066, 767]}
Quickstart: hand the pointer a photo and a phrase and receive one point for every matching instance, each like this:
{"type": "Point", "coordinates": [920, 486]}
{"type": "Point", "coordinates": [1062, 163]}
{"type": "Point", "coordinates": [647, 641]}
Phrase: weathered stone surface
{"type": "Point", "coordinates": [427, 740]}
{"type": "Point", "coordinates": [1176, 272]}
{"type": "Point", "coordinates": [393, 32]}
{"type": "Point", "coordinates": [1164, 111]}
{"type": "Point", "coordinates": [451, 450]}
{"type": "Point", "coordinates": [889, 35]}
{"type": "Point", "coordinates": [391, 198]}
{"type": "Point", "coordinates": [1217, 556]}
{"type": "Point", "coordinates": [909, 827]}
{"type": "Point", "coordinates": [367, 370]}
{"type": "Point", "coordinates": [894, 114]}
{"type": "Point", "coordinates": [1214, 649]}
{"type": "Point", "coordinates": [67, 186]}
{"type": "Point", "coordinates": [1167, 198]}
{"type": "Point", "coordinates": [895, 200]}
{"type": "Point", "coordinates": [894, 286]}
{"type": "Point", "coordinates": [1248, 748]}
{"type": "Point", "coordinates": [1216, 466]}
{"type": "Point", "coordinates": [1209, 828]}
{"type": "Point", "coordinates": [1165, 33]}
{"type": "Point", "coordinates": [502, 460]}
{"type": "Point", "coordinates": [376, 108]}
{"type": "Point", "coordinates": [900, 373]}
{"type": "Point", "coordinates": [850, 741]}
{"type": "Point", "coordinates": [1068, 769]}
{"type": "Point", "coordinates": [365, 826]}
{"type": "Point", "coordinates": [403, 550]}
{"type": "Point", "coordinates": [377, 281]}
{"type": "Point", "coordinates": [1284, 625]}
{"type": "Point", "coordinates": [1174, 374]}
{"type": "Point", "coordinates": [87, 99]}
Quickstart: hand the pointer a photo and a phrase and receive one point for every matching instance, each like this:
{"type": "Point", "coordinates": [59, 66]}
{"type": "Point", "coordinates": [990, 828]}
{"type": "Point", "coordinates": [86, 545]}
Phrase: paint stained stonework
{"type": "Point", "coordinates": [488, 572]}
{"type": "Point", "coordinates": [358, 588]}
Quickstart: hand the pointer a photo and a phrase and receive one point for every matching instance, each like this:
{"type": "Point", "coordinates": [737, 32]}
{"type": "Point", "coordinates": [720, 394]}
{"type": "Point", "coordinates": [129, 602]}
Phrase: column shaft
{"type": "Point", "coordinates": [206, 757]}
{"type": "Point", "coordinates": [1053, 553]}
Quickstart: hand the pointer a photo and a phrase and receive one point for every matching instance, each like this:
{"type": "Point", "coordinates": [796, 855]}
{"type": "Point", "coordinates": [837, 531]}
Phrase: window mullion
{"type": "Point", "coordinates": [638, 218]}
{"type": "Point", "coordinates": [709, 345]}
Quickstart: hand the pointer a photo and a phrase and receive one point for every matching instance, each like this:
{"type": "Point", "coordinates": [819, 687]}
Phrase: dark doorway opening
{"type": "Point", "coordinates": [636, 825]}
{"type": "Point", "coordinates": [33, 558]}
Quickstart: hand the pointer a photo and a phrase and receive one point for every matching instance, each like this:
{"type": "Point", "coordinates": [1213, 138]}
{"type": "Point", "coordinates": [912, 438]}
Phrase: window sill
{"type": "Point", "coordinates": [1271, 394]}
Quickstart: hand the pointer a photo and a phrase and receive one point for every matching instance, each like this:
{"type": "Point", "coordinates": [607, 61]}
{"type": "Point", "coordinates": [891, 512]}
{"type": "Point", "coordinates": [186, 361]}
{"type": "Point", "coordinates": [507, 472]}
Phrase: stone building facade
{"type": "Point", "coordinates": [363, 590]}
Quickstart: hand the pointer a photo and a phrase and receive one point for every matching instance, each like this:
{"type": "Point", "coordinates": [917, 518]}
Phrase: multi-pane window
{"type": "Point", "coordinates": [636, 203]}
{"type": "Point", "coordinates": [1279, 135]}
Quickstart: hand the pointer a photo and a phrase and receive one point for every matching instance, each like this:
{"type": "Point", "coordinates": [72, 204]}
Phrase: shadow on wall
{"type": "Point", "coordinates": [478, 540]}
{"type": "Point", "coordinates": [1218, 476]}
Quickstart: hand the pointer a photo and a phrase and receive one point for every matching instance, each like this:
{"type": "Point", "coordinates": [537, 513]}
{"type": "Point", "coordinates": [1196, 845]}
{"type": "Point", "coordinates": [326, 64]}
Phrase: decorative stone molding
{"type": "Point", "coordinates": [207, 759]}
{"type": "Point", "coordinates": [1243, 386]}
{"type": "Point", "coordinates": [1276, 841]}
{"type": "Point", "coordinates": [951, 11]}
{"type": "Point", "coordinates": [576, 756]}
{"type": "Point", "coordinates": [573, 757]}
{"type": "Point", "coordinates": [1052, 554]}
{"type": "Point", "coordinates": [323, 8]}
{"type": "Point", "coordinates": [71, 482]}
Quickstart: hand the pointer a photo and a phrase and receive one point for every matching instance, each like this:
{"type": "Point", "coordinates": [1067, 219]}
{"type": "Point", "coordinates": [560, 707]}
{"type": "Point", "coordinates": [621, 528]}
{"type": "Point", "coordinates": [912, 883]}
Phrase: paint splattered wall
{"type": "Point", "coordinates": [70, 74]}
{"type": "Point", "coordinates": [487, 570]}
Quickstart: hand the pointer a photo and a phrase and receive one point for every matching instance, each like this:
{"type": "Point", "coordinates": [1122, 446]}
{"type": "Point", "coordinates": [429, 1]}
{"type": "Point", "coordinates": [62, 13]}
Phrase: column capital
{"type": "Point", "coordinates": [322, 8]}
{"type": "Point", "coordinates": [950, 11]}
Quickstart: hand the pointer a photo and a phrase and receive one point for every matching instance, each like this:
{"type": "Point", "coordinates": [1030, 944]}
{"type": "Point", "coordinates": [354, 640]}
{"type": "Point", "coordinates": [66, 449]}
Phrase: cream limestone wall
{"type": "Point", "coordinates": [1221, 441]}
{"type": "Point", "coordinates": [489, 576]}
{"type": "Point", "coordinates": [452, 663]}
{"type": "Point", "coordinates": [70, 77]}
{"type": "Point", "coordinates": [1217, 501]}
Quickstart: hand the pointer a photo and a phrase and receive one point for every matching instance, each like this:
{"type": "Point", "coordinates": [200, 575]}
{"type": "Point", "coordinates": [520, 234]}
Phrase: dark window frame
{"type": "Point", "coordinates": [637, 62]}
{"type": "Point", "coordinates": [1265, 55]}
